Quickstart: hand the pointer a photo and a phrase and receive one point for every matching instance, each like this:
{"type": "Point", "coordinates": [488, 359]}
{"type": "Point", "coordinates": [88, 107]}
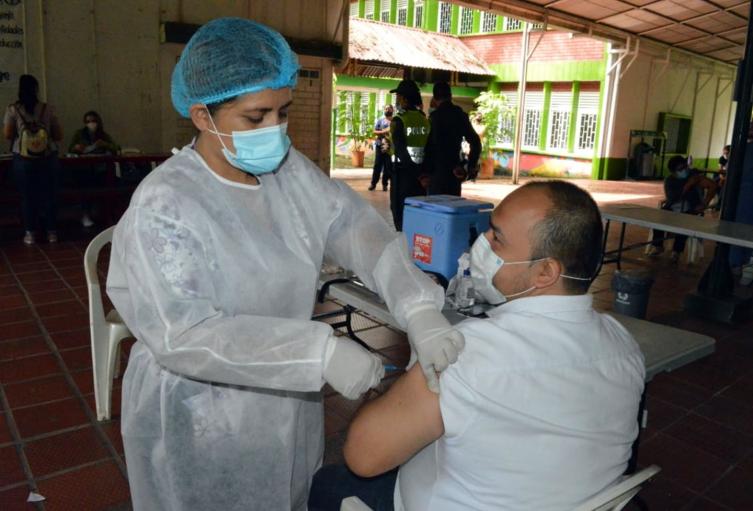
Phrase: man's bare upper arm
{"type": "Point", "coordinates": [391, 429]}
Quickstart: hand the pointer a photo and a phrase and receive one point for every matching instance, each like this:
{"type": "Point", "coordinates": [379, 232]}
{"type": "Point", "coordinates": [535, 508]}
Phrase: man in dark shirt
{"type": "Point", "coordinates": [449, 125]}
{"type": "Point", "coordinates": [686, 191]}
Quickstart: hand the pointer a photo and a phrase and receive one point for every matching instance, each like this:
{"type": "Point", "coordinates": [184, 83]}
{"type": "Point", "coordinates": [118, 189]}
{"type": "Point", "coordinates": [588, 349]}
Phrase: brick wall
{"type": "Point", "coordinates": [556, 46]}
{"type": "Point", "coordinates": [309, 118]}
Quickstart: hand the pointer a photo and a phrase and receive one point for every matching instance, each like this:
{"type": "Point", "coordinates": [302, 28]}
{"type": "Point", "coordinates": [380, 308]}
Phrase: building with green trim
{"type": "Point", "coordinates": [565, 79]}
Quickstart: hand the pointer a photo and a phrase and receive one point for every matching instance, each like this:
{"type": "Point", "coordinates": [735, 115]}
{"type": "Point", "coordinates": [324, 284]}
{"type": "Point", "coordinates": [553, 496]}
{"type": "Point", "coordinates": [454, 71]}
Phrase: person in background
{"type": "Point", "coordinates": [92, 139]}
{"type": "Point", "coordinates": [539, 412]}
{"type": "Point", "coordinates": [409, 133]}
{"type": "Point", "coordinates": [686, 191]}
{"type": "Point", "coordinates": [214, 268]}
{"type": "Point", "coordinates": [382, 162]}
{"type": "Point", "coordinates": [721, 178]}
{"type": "Point", "coordinates": [34, 131]}
{"type": "Point", "coordinates": [449, 126]}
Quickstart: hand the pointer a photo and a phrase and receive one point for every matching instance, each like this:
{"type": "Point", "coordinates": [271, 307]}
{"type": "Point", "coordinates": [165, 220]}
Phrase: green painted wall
{"type": "Point", "coordinates": [557, 71]}
{"type": "Point", "coordinates": [431, 12]}
{"type": "Point", "coordinates": [544, 129]}
{"type": "Point", "coordinates": [610, 168]}
{"type": "Point", "coordinates": [476, 22]}
{"type": "Point", "coordinates": [573, 118]}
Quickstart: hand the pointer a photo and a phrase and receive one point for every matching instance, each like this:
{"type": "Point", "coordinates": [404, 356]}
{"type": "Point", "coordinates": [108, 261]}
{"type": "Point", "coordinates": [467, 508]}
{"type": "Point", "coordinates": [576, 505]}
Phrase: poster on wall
{"type": "Point", "coordinates": [12, 42]}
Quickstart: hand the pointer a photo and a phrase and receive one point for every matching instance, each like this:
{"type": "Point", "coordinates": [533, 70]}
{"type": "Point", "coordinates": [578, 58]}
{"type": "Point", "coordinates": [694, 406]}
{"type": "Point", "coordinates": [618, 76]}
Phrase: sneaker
{"type": "Point", "coordinates": [86, 221]}
{"type": "Point", "coordinates": [654, 250]}
{"type": "Point", "coordinates": [675, 256]}
{"type": "Point", "coordinates": [29, 238]}
{"type": "Point", "coordinates": [52, 237]}
{"type": "Point", "coordinates": [372, 188]}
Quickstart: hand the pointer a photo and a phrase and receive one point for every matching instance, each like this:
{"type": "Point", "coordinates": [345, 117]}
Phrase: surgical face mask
{"type": "Point", "coordinates": [484, 266]}
{"type": "Point", "coordinates": [257, 151]}
{"type": "Point", "coordinates": [91, 126]}
{"type": "Point", "coordinates": [682, 174]}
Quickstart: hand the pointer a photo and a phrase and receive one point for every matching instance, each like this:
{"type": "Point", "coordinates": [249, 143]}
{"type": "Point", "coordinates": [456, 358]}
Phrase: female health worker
{"type": "Point", "coordinates": [214, 268]}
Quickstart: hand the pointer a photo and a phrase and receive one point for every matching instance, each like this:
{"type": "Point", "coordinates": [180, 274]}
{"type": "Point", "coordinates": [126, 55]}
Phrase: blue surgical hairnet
{"type": "Point", "coordinates": [229, 57]}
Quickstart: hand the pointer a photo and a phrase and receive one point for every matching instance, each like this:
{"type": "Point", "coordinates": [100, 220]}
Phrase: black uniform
{"type": "Point", "coordinates": [409, 132]}
{"type": "Point", "coordinates": [449, 124]}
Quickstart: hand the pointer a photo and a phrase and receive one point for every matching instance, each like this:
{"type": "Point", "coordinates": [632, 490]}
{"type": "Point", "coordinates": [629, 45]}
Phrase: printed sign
{"type": "Point", "coordinates": [12, 42]}
{"type": "Point", "coordinates": [422, 248]}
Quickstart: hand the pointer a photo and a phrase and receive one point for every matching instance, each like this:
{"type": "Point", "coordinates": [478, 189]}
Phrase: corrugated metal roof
{"type": "Point", "coordinates": [712, 28]}
{"type": "Point", "coordinates": [394, 44]}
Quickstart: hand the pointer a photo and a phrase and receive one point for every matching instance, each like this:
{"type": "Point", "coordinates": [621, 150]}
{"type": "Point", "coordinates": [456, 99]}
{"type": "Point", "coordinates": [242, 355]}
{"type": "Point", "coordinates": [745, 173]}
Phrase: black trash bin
{"type": "Point", "coordinates": [631, 291]}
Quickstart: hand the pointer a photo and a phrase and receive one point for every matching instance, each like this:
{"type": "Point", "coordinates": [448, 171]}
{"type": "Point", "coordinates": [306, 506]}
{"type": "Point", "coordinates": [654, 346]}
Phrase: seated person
{"type": "Point", "coordinates": [686, 191]}
{"type": "Point", "coordinates": [91, 140]}
{"type": "Point", "coordinates": [540, 410]}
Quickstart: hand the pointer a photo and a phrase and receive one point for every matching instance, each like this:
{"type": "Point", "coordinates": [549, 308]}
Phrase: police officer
{"type": "Point", "coordinates": [409, 132]}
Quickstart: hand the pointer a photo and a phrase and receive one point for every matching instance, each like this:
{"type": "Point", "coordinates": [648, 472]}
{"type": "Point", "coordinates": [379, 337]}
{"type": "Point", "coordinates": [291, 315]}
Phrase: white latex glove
{"type": "Point", "coordinates": [435, 342]}
{"type": "Point", "coordinates": [350, 369]}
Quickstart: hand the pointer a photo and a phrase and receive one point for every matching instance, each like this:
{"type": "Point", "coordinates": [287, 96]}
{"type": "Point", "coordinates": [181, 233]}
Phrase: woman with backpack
{"type": "Point", "coordinates": [34, 130]}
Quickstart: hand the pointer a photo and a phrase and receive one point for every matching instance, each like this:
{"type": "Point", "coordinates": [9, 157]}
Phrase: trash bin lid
{"type": "Point", "coordinates": [448, 204]}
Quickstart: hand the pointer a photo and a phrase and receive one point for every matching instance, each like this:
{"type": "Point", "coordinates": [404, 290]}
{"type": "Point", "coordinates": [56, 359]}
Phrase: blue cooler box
{"type": "Point", "coordinates": [439, 229]}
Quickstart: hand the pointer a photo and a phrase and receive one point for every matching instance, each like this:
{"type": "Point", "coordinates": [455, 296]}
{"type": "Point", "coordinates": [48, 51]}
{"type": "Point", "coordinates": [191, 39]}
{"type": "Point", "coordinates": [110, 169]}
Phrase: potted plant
{"type": "Point", "coordinates": [355, 118]}
{"type": "Point", "coordinates": [491, 109]}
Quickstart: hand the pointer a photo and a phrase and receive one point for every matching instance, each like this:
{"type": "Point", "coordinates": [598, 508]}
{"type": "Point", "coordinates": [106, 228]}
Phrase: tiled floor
{"type": "Point", "coordinates": [700, 428]}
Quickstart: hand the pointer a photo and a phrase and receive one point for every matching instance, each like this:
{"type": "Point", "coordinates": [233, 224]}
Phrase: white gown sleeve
{"type": "Point", "coordinates": [160, 282]}
{"type": "Point", "coordinates": [360, 240]}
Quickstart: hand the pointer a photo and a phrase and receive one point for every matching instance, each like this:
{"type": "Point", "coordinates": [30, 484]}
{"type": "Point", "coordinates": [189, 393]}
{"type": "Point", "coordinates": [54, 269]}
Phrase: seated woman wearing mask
{"type": "Point", "coordinates": [90, 140]}
{"type": "Point", "coordinates": [214, 268]}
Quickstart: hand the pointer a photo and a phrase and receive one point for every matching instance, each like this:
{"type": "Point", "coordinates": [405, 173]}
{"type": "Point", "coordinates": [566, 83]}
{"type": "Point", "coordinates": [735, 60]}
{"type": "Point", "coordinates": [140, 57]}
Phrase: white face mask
{"type": "Point", "coordinates": [484, 266]}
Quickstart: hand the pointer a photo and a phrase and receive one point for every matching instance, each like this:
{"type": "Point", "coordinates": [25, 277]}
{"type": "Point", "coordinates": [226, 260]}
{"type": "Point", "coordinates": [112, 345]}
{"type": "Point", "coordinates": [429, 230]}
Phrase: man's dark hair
{"type": "Point", "coordinates": [570, 232]}
{"type": "Point", "coordinates": [677, 163]}
{"type": "Point", "coordinates": [442, 91]}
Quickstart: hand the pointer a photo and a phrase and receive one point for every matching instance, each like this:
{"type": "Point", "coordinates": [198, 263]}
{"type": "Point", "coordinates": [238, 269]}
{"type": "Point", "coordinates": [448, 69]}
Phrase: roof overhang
{"type": "Point", "coordinates": [713, 29]}
{"type": "Point", "coordinates": [378, 43]}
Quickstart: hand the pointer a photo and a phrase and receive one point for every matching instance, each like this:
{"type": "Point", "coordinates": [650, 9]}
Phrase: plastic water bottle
{"type": "Point", "coordinates": [464, 297]}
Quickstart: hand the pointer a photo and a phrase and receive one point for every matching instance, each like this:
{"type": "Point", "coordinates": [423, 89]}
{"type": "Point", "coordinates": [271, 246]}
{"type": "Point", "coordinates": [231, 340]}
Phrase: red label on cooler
{"type": "Point", "coordinates": [422, 248]}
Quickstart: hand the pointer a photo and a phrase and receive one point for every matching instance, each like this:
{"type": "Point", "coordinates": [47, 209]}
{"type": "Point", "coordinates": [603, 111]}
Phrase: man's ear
{"type": "Point", "coordinates": [547, 273]}
{"type": "Point", "coordinates": [200, 117]}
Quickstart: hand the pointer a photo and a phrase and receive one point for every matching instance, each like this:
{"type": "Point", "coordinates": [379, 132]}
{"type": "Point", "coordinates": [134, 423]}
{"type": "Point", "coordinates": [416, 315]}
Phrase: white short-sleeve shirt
{"type": "Point", "coordinates": [540, 411]}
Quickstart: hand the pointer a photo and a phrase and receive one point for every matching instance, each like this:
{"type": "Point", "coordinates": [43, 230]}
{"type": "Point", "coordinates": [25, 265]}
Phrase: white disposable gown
{"type": "Point", "coordinates": [221, 405]}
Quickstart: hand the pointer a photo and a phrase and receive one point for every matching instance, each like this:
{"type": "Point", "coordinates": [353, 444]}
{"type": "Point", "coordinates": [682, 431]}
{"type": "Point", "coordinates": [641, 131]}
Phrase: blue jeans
{"type": "Point", "coordinates": [37, 181]}
{"type": "Point", "coordinates": [333, 483]}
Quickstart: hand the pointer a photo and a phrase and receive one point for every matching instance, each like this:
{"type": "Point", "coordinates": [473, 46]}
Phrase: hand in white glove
{"type": "Point", "coordinates": [350, 369]}
{"type": "Point", "coordinates": [435, 342]}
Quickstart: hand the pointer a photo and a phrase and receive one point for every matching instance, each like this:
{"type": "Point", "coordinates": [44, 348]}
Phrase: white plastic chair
{"type": "Point", "coordinates": [616, 497]}
{"type": "Point", "coordinates": [106, 331]}
{"type": "Point", "coordinates": [613, 498]}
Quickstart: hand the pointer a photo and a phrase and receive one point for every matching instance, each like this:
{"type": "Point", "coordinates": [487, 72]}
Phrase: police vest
{"type": "Point", "coordinates": [416, 133]}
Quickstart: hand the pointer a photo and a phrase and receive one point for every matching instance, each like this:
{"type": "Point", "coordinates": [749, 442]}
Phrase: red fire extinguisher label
{"type": "Point", "coordinates": [422, 248]}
